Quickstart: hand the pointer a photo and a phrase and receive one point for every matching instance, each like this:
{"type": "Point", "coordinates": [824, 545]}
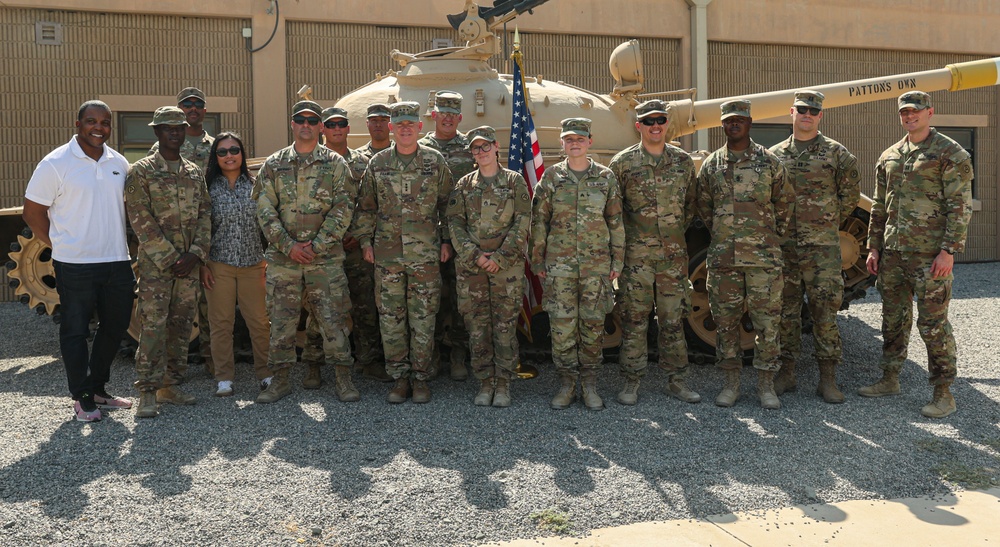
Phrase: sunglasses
{"type": "Point", "coordinates": [482, 148]}
{"type": "Point", "coordinates": [223, 152]}
{"type": "Point", "coordinates": [803, 109]}
{"type": "Point", "coordinates": [303, 120]}
{"type": "Point", "coordinates": [336, 123]}
{"type": "Point", "coordinates": [662, 120]}
{"type": "Point", "coordinates": [195, 104]}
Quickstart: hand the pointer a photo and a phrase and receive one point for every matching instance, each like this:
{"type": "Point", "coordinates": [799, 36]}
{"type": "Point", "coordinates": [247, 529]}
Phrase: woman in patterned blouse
{"type": "Point", "coordinates": [234, 273]}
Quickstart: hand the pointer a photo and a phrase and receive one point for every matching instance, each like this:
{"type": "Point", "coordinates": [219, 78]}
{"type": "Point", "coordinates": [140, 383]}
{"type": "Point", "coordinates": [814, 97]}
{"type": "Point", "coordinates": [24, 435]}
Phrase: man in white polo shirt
{"type": "Point", "coordinates": [75, 203]}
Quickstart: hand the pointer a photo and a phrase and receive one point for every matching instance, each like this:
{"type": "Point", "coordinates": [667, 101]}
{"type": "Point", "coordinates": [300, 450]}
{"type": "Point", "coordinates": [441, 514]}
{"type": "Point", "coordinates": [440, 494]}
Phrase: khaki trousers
{"type": "Point", "coordinates": [243, 286]}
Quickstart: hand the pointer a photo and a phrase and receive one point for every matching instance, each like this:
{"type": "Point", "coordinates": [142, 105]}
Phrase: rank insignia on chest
{"type": "Point", "coordinates": [131, 188]}
{"type": "Point", "coordinates": [407, 187]}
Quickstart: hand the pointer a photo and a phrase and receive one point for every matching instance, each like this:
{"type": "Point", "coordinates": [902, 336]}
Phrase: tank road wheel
{"type": "Point", "coordinates": [700, 322]}
{"type": "Point", "coordinates": [32, 275]}
{"type": "Point", "coordinates": [853, 253]}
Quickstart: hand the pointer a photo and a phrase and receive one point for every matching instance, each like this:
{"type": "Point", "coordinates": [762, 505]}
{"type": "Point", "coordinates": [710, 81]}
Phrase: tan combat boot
{"type": "Point", "coordinates": [827, 388]}
{"type": "Point", "coordinates": [174, 396]}
{"type": "Point", "coordinates": [629, 395]}
{"type": "Point", "coordinates": [943, 403]}
{"type": "Point", "coordinates": [277, 389]}
{"type": "Point", "coordinates": [458, 371]}
{"type": "Point", "coordinates": [588, 386]}
{"type": "Point", "coordinates": [888, 385]}
{"type": "Point", "coordinates": [731, 390]}
{"type": "Point", "coordinates": [147, 405]}
{"type": "Point", "coordinates": [485, 395]}
{"type": "Point", "coordinates": [314, 378]}
{"type": "Point", "coordinates": [400, 391]}
{"type": "Point", "coordinates": [679, 389]}
{"type": "Point", "coordinates": [501, 395]}
{"type": "Point", "coordinates": [765, 390]}
{"type": "Point", "coordinates": [566, 394]}
{"type": "Point", "coordinates": [344, 387]}
{"type": "Point", "coordinates": [421, 392]}
{"type": "Point", "coordinates": [784, 380]}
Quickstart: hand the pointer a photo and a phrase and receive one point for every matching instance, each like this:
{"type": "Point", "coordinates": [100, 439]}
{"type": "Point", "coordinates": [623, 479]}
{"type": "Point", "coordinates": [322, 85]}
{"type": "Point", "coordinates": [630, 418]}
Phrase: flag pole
{"type": "Point", "coordinates": [523, 370]}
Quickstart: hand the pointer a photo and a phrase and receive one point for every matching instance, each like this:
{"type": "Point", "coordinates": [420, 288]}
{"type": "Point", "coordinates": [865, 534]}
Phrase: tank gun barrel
{"type": "Point", "coordinates": [954, 77]}
{"type": "Point", "coordinates": [501, 12]}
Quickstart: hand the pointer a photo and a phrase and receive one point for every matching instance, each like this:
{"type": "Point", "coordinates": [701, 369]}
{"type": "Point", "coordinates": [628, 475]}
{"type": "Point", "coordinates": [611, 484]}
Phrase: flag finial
{"type": "Point", "coordinates": [517, 39]}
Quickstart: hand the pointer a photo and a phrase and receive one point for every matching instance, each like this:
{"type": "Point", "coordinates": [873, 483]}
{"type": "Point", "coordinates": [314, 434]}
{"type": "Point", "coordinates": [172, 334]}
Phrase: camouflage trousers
{"type": "Point", "coordinates": [320, 289]}
{"type": "Point", "coordinates": [577, 308]}
{"type": "Point", "coordinates": [408, 297]}
{"type": "Point", "coordinates": [814, 272]}
{"type": "Point", "coordinates": [167, 308]}
{"type": "Point", "coordinates": [491, 304]}
{"type": "Point", "coordinates": [649, 285]}
{"type": "Point", "coordinates": [733, 291]}
{"type": "Point", "coordinates": [901, 276]}
{"type": "Point", "coordinates": [449, 328]}
{"type": "Point", "coordinates": [364, 316]}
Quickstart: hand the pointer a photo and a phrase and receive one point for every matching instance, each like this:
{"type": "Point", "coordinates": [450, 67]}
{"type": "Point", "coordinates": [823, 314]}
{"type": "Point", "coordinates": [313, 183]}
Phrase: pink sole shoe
{"type": "Point", "coordinates": [84, 416]}
{"type": "Point", "coordinates": [111, 402]}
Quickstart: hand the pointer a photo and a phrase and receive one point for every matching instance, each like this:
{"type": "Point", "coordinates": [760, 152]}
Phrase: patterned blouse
{"type": "Point", "coordinates": [235, 233]}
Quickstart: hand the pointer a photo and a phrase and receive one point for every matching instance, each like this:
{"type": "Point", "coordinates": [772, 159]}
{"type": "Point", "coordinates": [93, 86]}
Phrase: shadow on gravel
{"type": "Point", "coordinates": [75, 456]}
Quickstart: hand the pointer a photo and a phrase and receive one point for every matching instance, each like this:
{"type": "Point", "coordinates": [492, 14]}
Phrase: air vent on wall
{"type": "Point", "coordinates": [48, 33]}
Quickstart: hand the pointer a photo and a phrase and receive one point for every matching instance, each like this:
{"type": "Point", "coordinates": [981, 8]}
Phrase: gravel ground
{"type": "Point", "coordinates": [311, 470]}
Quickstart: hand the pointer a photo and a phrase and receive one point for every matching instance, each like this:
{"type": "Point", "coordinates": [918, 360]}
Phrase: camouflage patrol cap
{"type": "Point", "coordinates": [334, 112]}
{"type": "Point", "coordinates": [481, 133]}
{"type": "Point", "coordinates": [810, 98]}
{"type": "Point", "coordinates": [575, 126]}
{"type": "Point", "coordinates": [307, 106]}
{"type": "Point", "coordinates": [448, 102]}
{"type": "Point", "coordinates": [917, 100]}
{"type": "Point", "coordinates": [378, 110]}
{"type": "Point", "coordinates": [650, 108]}
{"type": "Point", "coordinates": [408, 111]}
{"type": "Point", "coordinates": [190, 92]}
{"type": "Point", "coordinates": [736, 107]}
{"type": "Point", "coordinates": [168, 115]}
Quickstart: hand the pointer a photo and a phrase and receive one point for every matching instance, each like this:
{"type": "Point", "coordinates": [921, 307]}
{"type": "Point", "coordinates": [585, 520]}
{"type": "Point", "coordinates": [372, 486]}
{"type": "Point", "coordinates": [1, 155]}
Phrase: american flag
{"type": "Point", "coordinates": [525, 157]}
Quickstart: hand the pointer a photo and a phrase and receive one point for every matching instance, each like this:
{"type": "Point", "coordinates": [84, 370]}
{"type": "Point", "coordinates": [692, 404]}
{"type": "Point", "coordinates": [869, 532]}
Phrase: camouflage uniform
{"type": "Point", "coordinates": [401, 215]}
{"type": "Point", "coordinates": [658, 203]}
{"type": "Point", "coordinates": [198, 154]}
{"type": "Point", "coordinates": [306, 198]}
{"type": "Point", "coordinates": [491, 215]}
{"type": "Point", "coordinates": [744, 201]}
{"type": "Point", "coordinates": [361, 287]}
{"type": "Point", "coordinates": [825, 180]}
{"type": "Point", "coordinates": [171, 214]}
{"type": "Point", "coordinates": [922, 205]}
{"type": "Point", "coordinates": [577, 239]}
{"type": "Point", "coordinates": [459, 159]}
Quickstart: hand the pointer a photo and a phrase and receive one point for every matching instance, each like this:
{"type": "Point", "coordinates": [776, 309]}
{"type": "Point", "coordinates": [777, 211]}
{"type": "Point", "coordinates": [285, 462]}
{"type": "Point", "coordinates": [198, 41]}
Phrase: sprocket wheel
{"type": "Point", "coordinates": [31, 273]}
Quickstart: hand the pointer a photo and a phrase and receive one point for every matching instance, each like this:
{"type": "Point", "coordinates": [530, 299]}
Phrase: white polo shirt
{"type": "Point", "coordinates": [86, 201]}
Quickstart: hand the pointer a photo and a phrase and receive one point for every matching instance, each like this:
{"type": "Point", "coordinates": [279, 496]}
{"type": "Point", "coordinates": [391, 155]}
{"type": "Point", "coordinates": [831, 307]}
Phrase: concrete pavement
{"type": "Point", "coordinates": [966, 518]}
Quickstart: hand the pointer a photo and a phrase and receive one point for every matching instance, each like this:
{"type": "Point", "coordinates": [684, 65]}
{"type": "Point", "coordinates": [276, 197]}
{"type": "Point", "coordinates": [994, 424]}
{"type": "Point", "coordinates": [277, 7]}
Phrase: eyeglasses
{"type": "Point", "coordinates": [195, 104]}
{"type": "Point", "coordinates": [803, 109]}
{"type": "Point", "coordinates": [311, 120]}
{"type": "Point", "coordinates": [662, 120]}
{"type": "Point", "coordinates": [223, 152]}
{"type": "Point", "coordinates": [330, 124]}
{"type": "Point", "coordinates": [481, 149]}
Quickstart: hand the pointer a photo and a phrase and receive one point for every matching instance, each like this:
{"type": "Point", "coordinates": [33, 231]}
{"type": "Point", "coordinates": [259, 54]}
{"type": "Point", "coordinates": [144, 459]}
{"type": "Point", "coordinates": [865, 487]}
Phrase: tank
{"type": "Point", "coordinates": [488, 96]}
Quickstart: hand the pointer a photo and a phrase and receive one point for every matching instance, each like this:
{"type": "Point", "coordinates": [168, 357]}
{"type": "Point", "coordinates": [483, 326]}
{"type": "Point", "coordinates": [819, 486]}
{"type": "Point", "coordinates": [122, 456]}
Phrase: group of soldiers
{"type": "Point", "coordinates": [423, 241]}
